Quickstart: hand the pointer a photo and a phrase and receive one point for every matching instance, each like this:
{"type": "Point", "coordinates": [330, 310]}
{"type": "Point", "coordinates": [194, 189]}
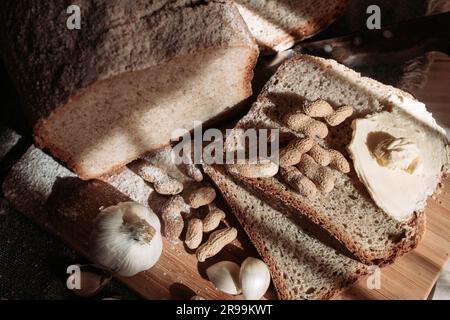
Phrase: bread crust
{"type": "Point", "coordinates": [93, 55]}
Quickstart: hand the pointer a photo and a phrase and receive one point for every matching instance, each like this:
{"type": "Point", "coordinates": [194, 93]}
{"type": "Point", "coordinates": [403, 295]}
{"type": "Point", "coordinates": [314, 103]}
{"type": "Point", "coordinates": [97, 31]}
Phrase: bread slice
{"type": "Point", "coordinates": [278, 24]}
{"type": "Point", "coordinates": [302, 267]}
{"type": "Point", "coordinates": [101, 96]}
{"type": "Point", "coordinates": [347, 212]}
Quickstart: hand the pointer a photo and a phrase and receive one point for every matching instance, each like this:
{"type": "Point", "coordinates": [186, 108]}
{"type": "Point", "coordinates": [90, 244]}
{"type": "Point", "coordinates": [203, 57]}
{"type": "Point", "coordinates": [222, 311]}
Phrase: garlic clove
{"type": "Point", "coordinates": [225, 277]}
{"type": "Point", "coordinates": [254, 278]}
{"type": "Point", "coordinates": [90, 282]}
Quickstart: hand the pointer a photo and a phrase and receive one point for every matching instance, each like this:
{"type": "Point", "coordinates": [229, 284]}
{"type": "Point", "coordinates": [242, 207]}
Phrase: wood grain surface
{"type": "Point", "coordinates": [414, 275]}
{"type": "Point", "coordinates": [436, 92]}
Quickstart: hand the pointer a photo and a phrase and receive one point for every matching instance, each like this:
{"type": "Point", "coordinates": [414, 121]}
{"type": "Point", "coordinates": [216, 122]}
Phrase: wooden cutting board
{"type": "Point", "coordinates": [60, 202]}
{"type": "Point", "coordinates": [66, 206]}
{"type": "Point", "coordinates": [414, 275]}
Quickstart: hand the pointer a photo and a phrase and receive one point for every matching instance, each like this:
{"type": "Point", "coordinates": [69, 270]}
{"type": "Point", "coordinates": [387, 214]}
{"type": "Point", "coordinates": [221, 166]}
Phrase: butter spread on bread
{"type": "Point", "coordinates": [399, 156]}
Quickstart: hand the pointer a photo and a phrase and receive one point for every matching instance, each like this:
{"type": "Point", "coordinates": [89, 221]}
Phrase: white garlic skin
{"type": "Point", "coordinates": [120, 251]}
{"type": "Point", "coordinates": [225, 277]}
{"type": "Point", "coordinates": [254, 277]}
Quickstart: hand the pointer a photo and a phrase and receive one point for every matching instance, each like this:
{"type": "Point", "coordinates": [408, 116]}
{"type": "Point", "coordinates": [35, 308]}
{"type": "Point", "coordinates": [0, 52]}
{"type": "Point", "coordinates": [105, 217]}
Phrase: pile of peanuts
{"type": "Point", "coordinates": [303, 164]}
{"type": "Point", "coordinates": [198, 197]}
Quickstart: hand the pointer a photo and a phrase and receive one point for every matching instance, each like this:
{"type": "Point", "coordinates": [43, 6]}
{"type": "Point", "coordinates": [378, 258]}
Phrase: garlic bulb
{"type": "Point", "coordinates": [254, 278]}
{"type": "Point", "coordinates": [126, 238]}
{"type": "Point", "coordinates": [225, 276]}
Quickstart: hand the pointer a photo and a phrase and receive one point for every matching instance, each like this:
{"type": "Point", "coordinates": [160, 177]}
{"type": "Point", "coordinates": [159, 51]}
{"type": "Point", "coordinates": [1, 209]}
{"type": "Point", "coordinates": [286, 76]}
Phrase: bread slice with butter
{"type": "Point", "coordinates": [302, 265]}
{"type": "Point", "coordinates": [355, 211]}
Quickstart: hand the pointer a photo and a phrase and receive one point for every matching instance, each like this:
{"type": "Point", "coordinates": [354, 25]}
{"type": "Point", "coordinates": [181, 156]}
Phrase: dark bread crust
{"type": "Point", "coordinates": [52, 66]}
{"type": "Point", "coordinates": [215, 173]}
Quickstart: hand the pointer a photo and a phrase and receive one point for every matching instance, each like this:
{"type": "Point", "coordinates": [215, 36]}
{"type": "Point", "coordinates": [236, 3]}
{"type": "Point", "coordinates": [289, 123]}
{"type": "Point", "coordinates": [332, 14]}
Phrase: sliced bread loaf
{"type": "Point", "coordinates": [302, 267]}
{"type": "Point", "coordinates": [101, 96]}
{"type": "Point", "coordinates": [348, 211]}
{"type": "Point", "coordinates": [278, 24]}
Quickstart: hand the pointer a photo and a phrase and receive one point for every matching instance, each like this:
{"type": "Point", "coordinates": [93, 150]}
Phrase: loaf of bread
{"type": "Point", "coordinates": [346, 210]}
{"type": "Point", "coordinates": [117, 88]}
{"type": "Point", "coordinates": [278, 24]}
{"type": "Point", "coordinates": [302, 265]}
